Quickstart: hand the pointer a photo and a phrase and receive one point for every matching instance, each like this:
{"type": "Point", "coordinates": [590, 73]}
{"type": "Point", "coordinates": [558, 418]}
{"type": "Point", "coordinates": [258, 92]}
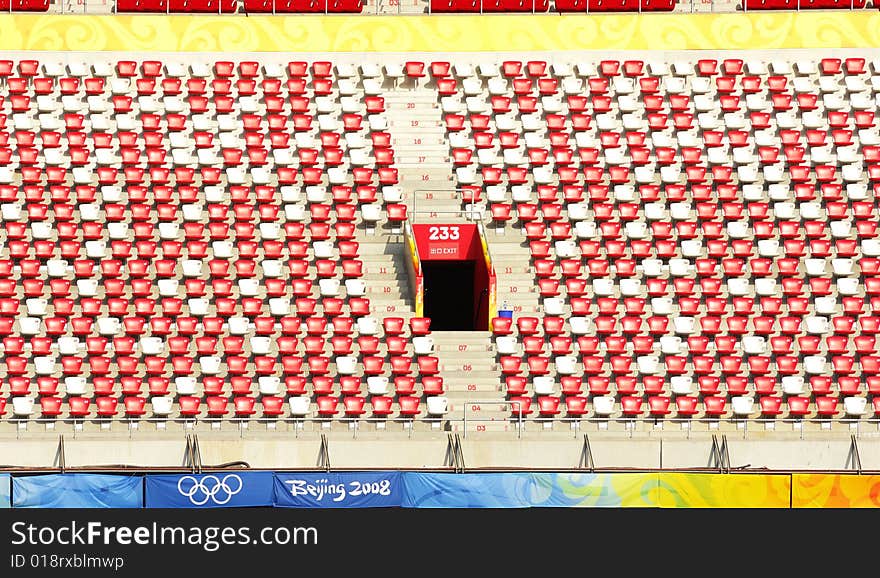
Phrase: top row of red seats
{"type": "Point", "coordinates": [230, 6]}
{"type": "Point", "coordinates": [544, 5]}
{"type": "Point", "coordinates": [624, 5]}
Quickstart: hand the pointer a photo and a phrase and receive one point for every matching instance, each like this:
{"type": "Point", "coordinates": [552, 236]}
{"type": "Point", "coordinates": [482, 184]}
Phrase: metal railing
{"type": "Point", "coordinates": [492, 290]}
{"type": "Point", "coordinates": [297, 423]}
{"type": "Point", "coordinates": [414, 269]}
{"type": "Point", "coordinates": [714, 423]}
{"type": "Point", "coordinates": [470, 214]}
{"type": "Point", "coordinates": [472, 211]}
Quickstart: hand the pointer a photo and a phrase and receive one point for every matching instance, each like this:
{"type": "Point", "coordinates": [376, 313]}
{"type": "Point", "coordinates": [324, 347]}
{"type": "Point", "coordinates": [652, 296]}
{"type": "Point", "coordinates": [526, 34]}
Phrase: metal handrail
{"type": "Point", "coordinates": [483, 293]}
{"type": "Point", "coordinates": [424, 418]}
{"type": "Point", "coordinates": [37, 417]}
{"type": "Point", "coordinates": [493, 279]}
{"type": "Point", "coordinates": [470, 210]}
{"type": "Point", "coordinates": [307, 418]}
{"type": "Point", "coordinates": [414, 268]}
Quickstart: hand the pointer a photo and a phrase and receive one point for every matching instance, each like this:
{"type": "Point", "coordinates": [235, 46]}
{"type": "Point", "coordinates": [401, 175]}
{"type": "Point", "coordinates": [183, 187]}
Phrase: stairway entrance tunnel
{"type": "Point", "coordinates": [449, 295]}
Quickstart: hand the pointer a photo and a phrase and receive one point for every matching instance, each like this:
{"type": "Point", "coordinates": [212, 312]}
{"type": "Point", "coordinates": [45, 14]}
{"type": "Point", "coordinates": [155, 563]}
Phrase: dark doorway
{"type": "Point", "coordinates": [449, 295]}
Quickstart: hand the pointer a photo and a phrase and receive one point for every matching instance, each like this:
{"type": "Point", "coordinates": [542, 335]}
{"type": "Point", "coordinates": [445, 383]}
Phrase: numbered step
{"type": "Point", "coordinates": [476, 387]}
{"type": "Point", "coordinates": [515, 289]}
{"type": "Point", "coordinates": [505, 269]}
{"type": "Point", "coordinates": [414, 123]}
{"type": "Point", "coordinates": [387, 289]}
{"type": "Point", "coordinates": [423, 179]}
{"type": "Point", "coordinates": [452, 375]}
{"type": "Point", "coordinates": [521, 303]}
{"type": "Point", "coordinates": [385, 309]}
{"type": "Point", "coordinates": [454, 215]}
{"type": "Point", "coordinates": [464, 349]}
{"type": "Point", "coordinates": [420, 158]}
{"type": "Point", "coordinates": [379, 270]}
{"type": "Point", "coordinates": [475, 365]}
{"type": "Point", "coordinates": [491, 426]}
{"type": "Point", "coordinates": [419, 141]}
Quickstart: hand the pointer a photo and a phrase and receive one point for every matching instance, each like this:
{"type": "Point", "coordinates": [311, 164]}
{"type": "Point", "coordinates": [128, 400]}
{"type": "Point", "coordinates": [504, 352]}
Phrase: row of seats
{"type": "Point", "coordinates": [727, 387]}
{"type": "Point", "coordinates": [521, 406]}
{"type": "Point", "coordinates": [686, 407]}
{"type": "Point", "coordinates": [207, 6]}
{"type": "Point", "coordinates": [219, 407]}
{"type": "Point", "coordinates": [24, 5]}
{"type": "Point", "coordinates": [232, 6]}
{"type": "Point", "coordinates": [490, 6]}
{"type": "Point", "coordinates": [427, 384]}
{"type": "Point", "coordinates": [304, 6]}
{"type": "Point", "coordinates": [410, 407]}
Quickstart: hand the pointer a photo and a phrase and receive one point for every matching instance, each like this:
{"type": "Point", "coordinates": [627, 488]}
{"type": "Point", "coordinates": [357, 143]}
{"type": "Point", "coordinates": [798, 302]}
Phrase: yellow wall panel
{"type": "Point", "coordinates": [687, 490]}
{"type": "Point", "coordinates": [835, 491]}
{"type": "Point", "coordinates": [440, 33]}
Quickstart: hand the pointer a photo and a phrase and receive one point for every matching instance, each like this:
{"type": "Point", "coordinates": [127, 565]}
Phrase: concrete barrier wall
{"type": "Point", "coordinates": [432, 451]}
{"type": "Point", "coordinates": [413, 489]}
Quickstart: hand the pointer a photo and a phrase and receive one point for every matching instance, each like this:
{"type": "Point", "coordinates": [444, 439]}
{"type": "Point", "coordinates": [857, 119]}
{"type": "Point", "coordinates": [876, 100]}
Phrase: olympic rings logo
{"type": "Point", "coordinates": [209, 488]}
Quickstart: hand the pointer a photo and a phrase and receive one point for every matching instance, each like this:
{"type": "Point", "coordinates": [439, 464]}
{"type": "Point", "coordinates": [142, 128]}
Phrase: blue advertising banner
{"type": "Point", "coordinates": [339, 490]}
{"type": "Point", "coordinates": [511, 490]}
{"type": "Point", "coordinates": [218, 490]}
{"type": "Point", "coordinates": [5, 491]}
{"type": "Point", "coordinates": [77, 491]}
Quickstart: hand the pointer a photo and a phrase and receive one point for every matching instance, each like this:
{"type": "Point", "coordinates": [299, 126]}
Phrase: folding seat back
{"type": "Point", "coordinates": [79, 406]}
{"type": "Point", "coordinates": [51, 406]}
{"type": "Point", "coordinates": [327, 405]}
{"type": "Point", "coordinates": [576, 406]}
{"type": "Point", "coordinates": [381, 405]}
{"type": "Point", "coordinates": [244, 406]}
{"type": "Point", "coordinates": [354, 405]}
{"type": "Point", "coordinates": [548, 405]}
{"type": "Point", "coordinates": [409, 405]}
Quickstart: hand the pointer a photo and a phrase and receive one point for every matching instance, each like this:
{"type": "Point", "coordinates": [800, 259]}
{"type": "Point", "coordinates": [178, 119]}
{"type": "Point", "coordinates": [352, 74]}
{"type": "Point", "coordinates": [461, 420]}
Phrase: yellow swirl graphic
{"type": "Point", "coordinates": [677, 490]}
{"type": "Point", "coordinates": [439, 33]}
{"type": "Point", "coordinates": [835, 491]}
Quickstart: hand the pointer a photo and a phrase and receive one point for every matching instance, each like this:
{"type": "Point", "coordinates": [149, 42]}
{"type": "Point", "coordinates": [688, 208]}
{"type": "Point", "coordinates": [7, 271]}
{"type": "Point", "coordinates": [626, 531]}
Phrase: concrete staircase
{"type": "Point", "coordinates": [511, 259]}
{"type": "Point", "coordinates": [81, 7]}
{"type": "Point", "coordinates": [426, 175]}
{"type": "Point", "coordinates": [472, 380]}
{"type": "Point", "coordinates": [421, 152]}
{"type": "Point", "coordinates": [385, 276]}
{"type": "Point", "coordinates": [468, 362]}
{"type": "Point", "coordinates": [395, 7]}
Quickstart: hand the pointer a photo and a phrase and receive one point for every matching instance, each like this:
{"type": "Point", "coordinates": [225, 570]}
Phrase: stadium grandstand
{"type": "Point", "coordinates": [374, 237]}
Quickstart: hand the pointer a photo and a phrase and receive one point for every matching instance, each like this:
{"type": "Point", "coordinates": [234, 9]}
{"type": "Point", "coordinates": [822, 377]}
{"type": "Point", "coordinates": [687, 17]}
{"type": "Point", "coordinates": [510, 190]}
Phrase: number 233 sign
{"type": "Point", "coordinates": [444, 241]}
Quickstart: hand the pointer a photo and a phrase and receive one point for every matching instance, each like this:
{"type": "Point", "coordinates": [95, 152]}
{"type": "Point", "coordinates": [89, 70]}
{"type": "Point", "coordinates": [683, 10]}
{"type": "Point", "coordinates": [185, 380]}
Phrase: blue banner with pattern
{"type": "Point", "coordinates": [77, 491]}
{"type": "Point", "coordinates": [489, 490]}
{"type": "Point", "coordinates": [5, 491]}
